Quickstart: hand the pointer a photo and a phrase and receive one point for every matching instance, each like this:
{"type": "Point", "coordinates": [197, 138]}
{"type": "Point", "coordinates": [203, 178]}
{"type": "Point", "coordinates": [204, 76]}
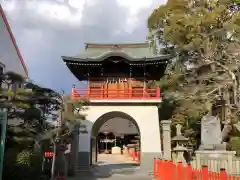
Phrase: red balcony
{"type": "Point", "coordinates": [116, 94]}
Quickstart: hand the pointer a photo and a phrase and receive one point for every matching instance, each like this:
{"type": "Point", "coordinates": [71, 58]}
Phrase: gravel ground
{"type": "Point", "coordinates": [113, 167]}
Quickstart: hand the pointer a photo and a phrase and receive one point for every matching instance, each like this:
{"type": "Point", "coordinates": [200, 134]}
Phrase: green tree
{"type": "Point", "coordinates": [35, 107]}
{"type": "Point", "coordinates": [203, 37]}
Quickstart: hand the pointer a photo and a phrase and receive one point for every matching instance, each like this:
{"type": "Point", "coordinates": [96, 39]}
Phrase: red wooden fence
{"type": "Point", "coordinates": [135, 156]}
{"type": "Point", "coordinates": [167, 170]}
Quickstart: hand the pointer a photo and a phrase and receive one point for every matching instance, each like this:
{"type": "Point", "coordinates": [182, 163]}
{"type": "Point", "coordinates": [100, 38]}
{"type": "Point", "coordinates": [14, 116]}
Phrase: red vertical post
{"type": "Point", "coordinates": [189, 172]}
{"type": "Point", "coordinates": [73, 92]}
{"type": "Point", "coordinates": [87, 93]}
{"type": "Point", "coordinates": [134, 155]}
{"type": "Point", "coordinates": [137, 157]}
{"type": "Point", "coordinates": [130, 93]}
{"type": "Point", "coordinates": [155, 168]}
{"type": "Point", "coordinates": [158, 92]}
{"type": "Point", "coordinates": [223, 174]}
{"type": "Point", "coordinates": [180, 171]}
{"type": "Point", "coordinates": [171, 171]}
{"type": "Point", "coordinates": [204, 173]}
{"type": "Point", "coordinates": [101, 92]}
{"type": "Point", "coordinates": [163, 169]}
{"type": "Point", "coordinates": [159, 171]}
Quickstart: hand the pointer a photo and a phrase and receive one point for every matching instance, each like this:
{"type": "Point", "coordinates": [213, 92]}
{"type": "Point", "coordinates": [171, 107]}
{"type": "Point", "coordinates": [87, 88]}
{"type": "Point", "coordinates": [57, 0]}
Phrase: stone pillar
{"type": "Point", "coordinates": [166, 127]}
{"type": "Point", "coordinates": [84, 146]}
{"type": "Point", "coordinates": [74, 153]}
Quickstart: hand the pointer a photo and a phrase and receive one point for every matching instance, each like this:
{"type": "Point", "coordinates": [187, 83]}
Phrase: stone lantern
{"type": "Point", "coordinates": [181, 141]}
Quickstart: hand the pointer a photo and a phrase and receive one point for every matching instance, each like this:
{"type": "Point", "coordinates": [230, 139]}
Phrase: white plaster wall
{"type": "Point", "coordinates": [145, 116]}
{"type": "Point", "coordinates": [8, 54]}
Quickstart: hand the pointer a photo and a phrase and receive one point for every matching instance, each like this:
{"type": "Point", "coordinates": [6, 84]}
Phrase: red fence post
{"type": "Point", "coordinates": [158, 92]}
{"type": "Point", "coordinates": [189, 172]}
{"type": "Point", "coordinates": [130, 92]}
{"type": "Point", "coordinates": [159, 171]}
{"type": "Point", "coordinates": [223, 174]}
{"type": "Point", "coordinates": [180, 171]}
{"type": "Point", "coordinates": [170, 170]}
{"type": "Point", "coordinates": [73, 92]}
{"type": "Point", "coordinates": [134, 156]}
{"type": "Point", "coordinates": [167, 170]}
{"type": "Point", "coordinates": [138, 157]}
{"type": "Point", "coordinates": [155, 168]}
{"type": "Point", "coordinates": [204, 173]}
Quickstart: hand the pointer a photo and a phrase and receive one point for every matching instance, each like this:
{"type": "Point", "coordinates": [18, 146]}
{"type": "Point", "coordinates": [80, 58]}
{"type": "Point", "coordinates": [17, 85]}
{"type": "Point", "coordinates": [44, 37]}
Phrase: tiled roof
{"type": "Point", "coordinates": [130, 51]}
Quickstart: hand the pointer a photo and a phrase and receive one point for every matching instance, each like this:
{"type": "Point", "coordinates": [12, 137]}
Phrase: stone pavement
{"type": "Point", "coordinates": [113, 167]}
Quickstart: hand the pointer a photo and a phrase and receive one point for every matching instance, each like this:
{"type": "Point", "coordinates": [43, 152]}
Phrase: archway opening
{"type": "Point", "coordinates": [115, 133]}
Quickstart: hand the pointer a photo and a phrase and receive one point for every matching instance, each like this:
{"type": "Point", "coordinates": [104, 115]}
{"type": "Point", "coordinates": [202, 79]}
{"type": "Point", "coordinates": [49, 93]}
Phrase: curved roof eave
{"type": "Point", "coordinates": [113, 53]}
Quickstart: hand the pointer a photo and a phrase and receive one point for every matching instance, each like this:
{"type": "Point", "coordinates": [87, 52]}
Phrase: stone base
{"type": "Point", "coordinates": [212, 147]}
{"type": "Point", "coordinates": [116, 150]}
{"type": "Point", "coordinates": [215, 160]}
{"type": "Point", "coordinates": [83, 161]}
{"type": "Point", "coordinates": [215, 154]}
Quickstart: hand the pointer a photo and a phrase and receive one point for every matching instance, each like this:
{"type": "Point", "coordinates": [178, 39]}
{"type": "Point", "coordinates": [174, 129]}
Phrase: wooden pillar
{"type": "Point", "coordinates": [144, 80]}
{"type": "Point", "coordinates": [130, 82]}
{"type": "Point", "coordinates": [103, 83]}
{"type": "Point", "coordinates": [88, 78]}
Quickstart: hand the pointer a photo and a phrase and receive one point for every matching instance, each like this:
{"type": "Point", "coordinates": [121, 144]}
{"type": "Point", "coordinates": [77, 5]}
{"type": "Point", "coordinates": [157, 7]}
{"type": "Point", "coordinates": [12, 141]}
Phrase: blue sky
{"type": "Point", "coordinates": [45, 30]}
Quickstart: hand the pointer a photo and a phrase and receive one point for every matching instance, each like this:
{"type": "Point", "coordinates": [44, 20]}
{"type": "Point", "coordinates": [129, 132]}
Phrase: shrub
{"type": "Point", "coordinates": [235, 144]}
{"type": "Point", "coordinates": [24, 165]}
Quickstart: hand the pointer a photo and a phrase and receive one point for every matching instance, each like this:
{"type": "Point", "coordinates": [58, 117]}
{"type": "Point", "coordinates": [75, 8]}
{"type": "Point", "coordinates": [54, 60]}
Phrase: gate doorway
{"type": "Point", "coordinates": [115, 133]}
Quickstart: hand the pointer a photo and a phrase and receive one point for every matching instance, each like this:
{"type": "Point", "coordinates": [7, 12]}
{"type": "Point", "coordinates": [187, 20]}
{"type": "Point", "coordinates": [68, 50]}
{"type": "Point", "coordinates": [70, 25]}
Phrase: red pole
{"type": "Point", "coordinates": [223, 174]}
{"type": "Point", "coordinates": [158, 92]}
{"type": "Point", "coordinates": [204, 173]}
{"type": "Point", "coordinates": [155, 168]}
{"type": "Point", "coordinates": [137, 155]}
{"type": "Point", "coordinates": [159, 171]}
{"type": "Point", "coordinates": [171, 171]}
{"type": "Point", "coordinates": [73, 93]}
{"type": "Point", "coordinates": [163, 169]}
{"type": "Point", "coordinates": [189, 172]}
{"type": "Point", "coordinates": [180, 171]}
{"type": "Point", "coordinates": [134, 155]}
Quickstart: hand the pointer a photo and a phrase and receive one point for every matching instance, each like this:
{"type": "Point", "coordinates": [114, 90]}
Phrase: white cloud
{"type": "Point", "coordinates": [135, 5]}
{"type": "Point", "coordinates": [47, 29]}
{"type": "Point", "coordinates": [60, 11]}
{"type": "Point", "coordinates": [9, 6]}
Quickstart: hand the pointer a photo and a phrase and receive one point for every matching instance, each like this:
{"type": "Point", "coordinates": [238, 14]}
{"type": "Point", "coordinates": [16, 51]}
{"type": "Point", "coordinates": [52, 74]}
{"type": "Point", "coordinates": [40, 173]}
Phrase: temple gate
{"type": "Point", "coordinates": [119, 85]}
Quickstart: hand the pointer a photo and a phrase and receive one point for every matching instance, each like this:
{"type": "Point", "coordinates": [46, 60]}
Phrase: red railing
{"type": "Point", "coordinates": [96, 93]}
{"type": "Point", "coordinates": [135, 156]}
{"type": "Point", "coordinates": [167, 170]}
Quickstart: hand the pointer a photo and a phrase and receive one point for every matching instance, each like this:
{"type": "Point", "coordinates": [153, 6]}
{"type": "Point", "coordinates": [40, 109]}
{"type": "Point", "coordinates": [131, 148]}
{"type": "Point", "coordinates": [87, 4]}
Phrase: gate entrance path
{"type": "Point", "coordinates": [113, 167]}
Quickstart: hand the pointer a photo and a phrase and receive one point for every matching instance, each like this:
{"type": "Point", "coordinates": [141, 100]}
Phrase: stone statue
{"type": "Point", "coordinates": [211, 135]}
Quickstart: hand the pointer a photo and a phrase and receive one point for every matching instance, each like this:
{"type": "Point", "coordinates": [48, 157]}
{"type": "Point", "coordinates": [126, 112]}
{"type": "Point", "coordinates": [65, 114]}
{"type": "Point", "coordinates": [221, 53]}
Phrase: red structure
{"type": "Point", "coordinates": [102, 93]}
{"type": "Point", "coordinates": [117, 71]}
{"type": "Point", "coordinates": [167, 170]}
{"type": "Point", "coordinates": [48, 154]}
